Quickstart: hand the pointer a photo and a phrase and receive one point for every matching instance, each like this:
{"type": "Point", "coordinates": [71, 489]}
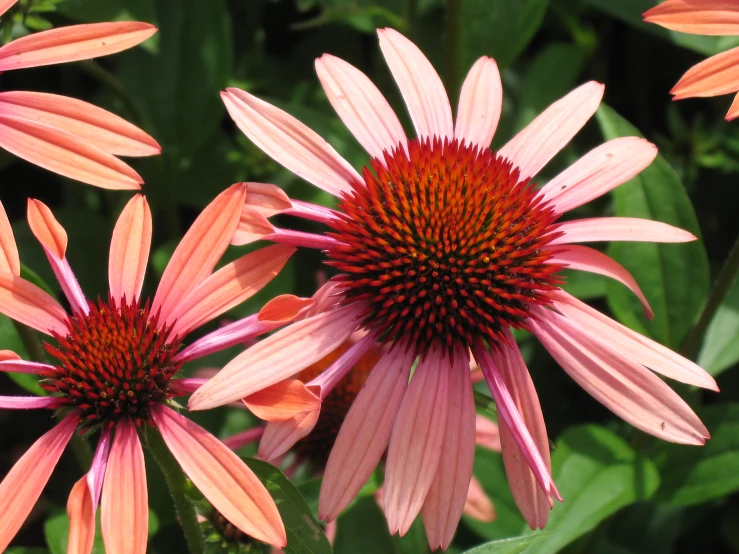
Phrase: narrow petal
{"type": "Point", "coordinates": [96, 126]}
{"type": "Point", "coordinates": [229, 286]}
{"type": "Point", "coordinates": [227, 483]}
{"type": "Point", "coordinates": [245, 438]}
{"type": "Point", "coordinates": [9, 260]}
{"type": "Point", "coordinates": [478, 505]}
{"type": "Point", "coordinates": [365, 432]}
{"type": "Point", "coordinates": [330, 377]}
{"type": "Point", "coordinates": [599, 229]}
{"type": "Point", "coordinates": [267, 199]}
{"type": "Point", "coordinates": [46, 228]}
{"type": "Point", "coordinates": [290, 143]}
{"type": "Point", "coordinates": [278, 357]}
{"type": "Point", "coordinates": [533, 147]}
{"type": "Point", "coordinates": [583, 258]}
{"type": "Point", "coordinates": [284, 308]}
{"type": "Point", "coordinates": [281, 436]}
{"type": "Point", "coordinates": [487, 432]}
{"type": "Point", "coordinates": [623, 386]}
{"type": "Point", "coordinates": [28, 304]}
{"type": "Point", "coordinates": [717, 75]}
{"type": "Point", "coordinates": [65, 154]}
{"type": "Point", "coordinates": [199, 250]}
{"type": "Point", "coordinates": [697, 17]}
{"type": "Point", "coordinates": [129, 250]}
{"type": "Point", "coordinates": [733, 112]}
{"type": "Point", "coordinates": [420, 85]}
{"type": "Point", "coordinates": [28, 402]}
{"type": "Point", "coordinates": [416, 441]}
{"type": "Point", "coordinates": [23, 484]}
{"type": "Point", "coordinates": [5, 5]}
{"type": "Point", "coordinates": [480, 103]}
{"type": "Point", "coordinates": [16, 365]}
{"type": "Point", "coordinates": [124, 510]}
{"type": "Point", "coordinates": [443, 506]}
{"type": "Point", "coordinates": [597, 172]}
{"type": "Point", "coordinates": [282, 401]}
{"type": "Point", "coordinates": [73, 43]}
{"type": "Point", "coordinates": [361, 106]}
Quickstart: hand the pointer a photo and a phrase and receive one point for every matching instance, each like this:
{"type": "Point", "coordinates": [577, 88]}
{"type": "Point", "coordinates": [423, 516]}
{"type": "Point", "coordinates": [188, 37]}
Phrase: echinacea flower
{"type": "Point", "coordinates": [718, 74]}
{"type": "Point", "coordinates": [64, 135]}
{"type": "Point", "coordinates": [444, 246]}
{"type": "Point", "coordinates": [114, 371]}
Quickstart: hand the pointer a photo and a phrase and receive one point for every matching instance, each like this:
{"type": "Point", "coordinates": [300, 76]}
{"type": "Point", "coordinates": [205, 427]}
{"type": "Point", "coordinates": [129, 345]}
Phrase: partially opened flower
{"type": "Point", "coordinates": [718, 74]}
{"type": "Point", "coordinates": [115, 366]}
{"type": "Point", "coordinates": [67, 136]}
{"type": "Point", "coordinates": [444, 246]}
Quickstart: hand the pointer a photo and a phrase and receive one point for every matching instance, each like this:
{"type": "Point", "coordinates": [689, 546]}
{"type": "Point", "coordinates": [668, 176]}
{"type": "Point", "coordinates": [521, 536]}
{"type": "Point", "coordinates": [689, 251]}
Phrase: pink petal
{"type": "Point", "coordinates": [5, 5]}
{"type": "Point", "coordinates": [487, 433]}
{"type": "Point", "coordinates": [420, 85]}
{"type": "Point", "coordinates": [23, 484]}
{"type": "Point", "coordinates": [533, 147]}
{"type": "Point", "coordinates": [28, 304]}
{"type": "Point", "coordinates": [16, 365]}
{"type": "Point", "coordinates": [733, 112]}
{"type": "Point", "coordinates": [281, 436]}
{"type": "Point", "coordinates": [222, 477]}
{"type": "Point", "coordinates": [365, 432]}
{"type": "Point", "coordinates": [284, 308]}
{"type": "Point", "coordinates": [28, 402]}
{"type": "Point", "coordinates": [621, 229]}
{"type": "Point", "coordinates": [245, 438]}
{"type": "Point", "coordinates": [623, 386]}
{"type": "Point", "coordinates": [717, 75]}
{"type": "Point", "coordinates": [416, 441]}
{"type": "Point", "coordinates": [199, 250]}
{"type": "Point", "coordinates": [330, 377]}
{"type": "Point", "coordinates": [93, 125]}
{"type": "Point", "coordinates": [478, 505]}
{"type": "Point", "coordinates": [129, 250]}
{"type": "Point", "coordinates": [124, 510]}
{"type": "Point", "coordinates": [268, 200]}
{"type": "Point", "coordinates": [597, 172]}
{"type": "Point", "coordinates": [277, 357]}
{"type": "Point", "coordinates": [282, 401]}
{"type": "Point", "coordinates": [65, 154]}
{"type": "Point", "coordinates": [443, 506]}
{"type": "Point", "coordinates": [361, 106]}
{"type": "Point", "coordinates": [46, 228]}
{"type": "Point", "coordinates": [253, 226]}
{"type": "Point", "coordinates": [6, 355]}
{"type": "Point", "coordinates": [73, 43]}
{"type": "Point", "coordinates": [480, 103]}
{"type": "Point", "coordinates": [229, 286]}
{"type": "Point", "coordinates": [9, 260]}
{"type": "Point", "coordinates": [290, 143]}
{"type": "Point", "coordinates": [698, 17]}
{"type": "Point", "coordinates": [640, 348]}
{"type": "Point", "coordinates": [583, 258]}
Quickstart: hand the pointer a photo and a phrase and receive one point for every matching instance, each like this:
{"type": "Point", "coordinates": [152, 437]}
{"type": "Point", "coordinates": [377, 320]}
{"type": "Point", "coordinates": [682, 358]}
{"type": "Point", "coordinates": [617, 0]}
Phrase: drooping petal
{"type": "Point", "coordinates": [73, 43]}
{"type": "Point", "coordinates": [478, 505]}
{"type": "Point", "coordinates": [23, 484]}
{"type": "Point", "coordinates": [282, 401]}
{"type": "Point", "coordinates": [266, 199]}
{"type": "Point", "coordinates": [96, 126]}
{"type": "Point", "coordinates": [5, 5]}
{"type": "Point", "coordinates": [599, 171]}
{"type": "Point", "coordinates": [129, 250]}
{"type": "Point", "coordinates": [28, 402]}
{"type": "Point", "coordinates": [289, 142]}
{"type": "Point", "coordinates": [443, 506]}
{"type": "Point", "coordinates": [281, 436]}
{"type": "Point", "coordinates": [717, 75]}
{"type": "Point", "coordinates": [9, 259]}
{"type": "Point", "coordinates": [698, 17]}
{"type": "Point", "coordinates": [199, 250]}
{"type": "Point", "coordinates": [598, 229]}
{"type": "Point", "coordinates": [28, 304]}
{"type": "Point", "coordinates": [124, 510]}
{"type": "Point", "coordinates": [480, 103]}
{"type": "Point", "coordinates": [361, 106]}
{"type": "Point", "coordinates": [227, 483]}
{"type": "Point", "coordinates": [533, 147]}
{"type": "Point", "coordinates": [420, 85]}
{"type": "Point", "coordinates": [623, 386]}
{"type": "Point", "coordinates": [16, 365]}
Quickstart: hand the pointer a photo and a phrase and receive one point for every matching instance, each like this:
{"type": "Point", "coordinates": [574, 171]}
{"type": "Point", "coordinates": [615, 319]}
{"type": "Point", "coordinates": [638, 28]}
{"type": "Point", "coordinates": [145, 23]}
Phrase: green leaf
{"type": "Point", "coordinates": [362, 528]}
{"type": "Point", "coordinates": [507, 546]}
{"type": "Point", "coordinates": [25, 550]}
{"type": "Point", "coordinates": [304, 534]}
{"type": "Point", "coordinates": [720, 348]}
{"type": "Point", "coordinates": [674, 277]}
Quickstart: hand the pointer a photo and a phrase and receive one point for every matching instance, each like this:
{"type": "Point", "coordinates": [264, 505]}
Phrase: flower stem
{"type": "Point", "coordinates": [177, 485]}
{"type": "Point", "coordinates": [452, 38]}
{"type": "Point", "coordinates": [715, 298]}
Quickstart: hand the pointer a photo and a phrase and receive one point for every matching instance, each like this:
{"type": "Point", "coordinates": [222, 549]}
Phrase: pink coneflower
{"type": "Point", "coordinates": [67, 136]}
{"type": "Point", "coordinates": [114, 368]}
{"type": "Point", "coordinates": [718, 74]}
{"type": "Point", "coordinates": [444, 246]}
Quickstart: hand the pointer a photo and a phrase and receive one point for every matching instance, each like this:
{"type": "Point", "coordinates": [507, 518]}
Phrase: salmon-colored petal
{"type": "Point", "coordinates": [5, 5]}
{"type": "Point", "coordinates": [623, 386]}
{"type": "Point", "coordinates": [478, 504]}
{"type": "Point", "coordinates": [267, 199]}
{"type": "Point", "coordinates": [129, 250]}
{"type": "Point", "coordinates": [23, 484]}
{"type": "Point", "coordinates": [281, 436]}
{"type": "Point", "coordinates": [698, 17]}
{"type": "Point", "coordinates": [124, 509]}
{"type": "Point", "coordinates": [282, 401]}
{"type": "Point", "coordinates": [420, 85]}
{"type": "Point", "coordinates": [81, 513]}
{"type": "Point", "coordinates": [277, 357]}
{"type": "Point", "coordinates": [46, 228]}
{"type": "Point", "coordinates": [73, 43]}
{"type": "Point", "coordinates": [361, 106]}
{"type": "Point", "coordinates": [227, 483]}
{"type": "Point", "coordinates": [487, 433]}
{"type": "Point", "coordinates": [598, 229]}
{"type": "Point", "coordinates": [229, 286]}
{"type": "Point", "coordinates": [733, 112]}
{"type": "Point", "coordinates": [717, 75]}
{"type": "Point", "coordinates": [480, 104]}
{"type": "Point", "coordinates": [245, 438]}
{"type": "Point", "coordinates": [599, 171]}
{"type": "Point", "coordinates": [416, 441]}
{"type": "Point", "coordinates": [9, 355]}
{"type": "Point", "coordinates": [533, 147]}
{"type": "Point", "coordinates": [199, 250]}
{"type": "Point", "coordinates": [65, 154]}
{"type": "Point", "coordinates": [94, 125]}
{"type": "Point", "coordinates": [443, 506]}
{"type": "Point", "coordinates": [9, 260]}
{"type": "Point", "coordinates": [284, 308]}
{"type": "Point", "coordinates": [28, 304]}
{"type": "Point", "coordinates": [253, 226]}
{"type": "Point", "coordinates": [289, 142]}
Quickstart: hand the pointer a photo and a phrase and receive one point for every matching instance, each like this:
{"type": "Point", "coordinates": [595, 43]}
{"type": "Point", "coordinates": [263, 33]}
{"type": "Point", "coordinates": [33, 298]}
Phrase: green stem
{"type": "Point", "coordinates": [452, 37]}
{"type": "Point", "coordinates": [715, 298]}
{"type": "Point", "coordinates": [177, 485]}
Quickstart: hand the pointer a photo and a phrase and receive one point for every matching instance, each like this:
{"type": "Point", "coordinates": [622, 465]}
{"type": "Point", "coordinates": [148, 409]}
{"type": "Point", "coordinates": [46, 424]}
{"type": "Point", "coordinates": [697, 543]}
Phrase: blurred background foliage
{"type": "Point", "coordinates": [625, 493]}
